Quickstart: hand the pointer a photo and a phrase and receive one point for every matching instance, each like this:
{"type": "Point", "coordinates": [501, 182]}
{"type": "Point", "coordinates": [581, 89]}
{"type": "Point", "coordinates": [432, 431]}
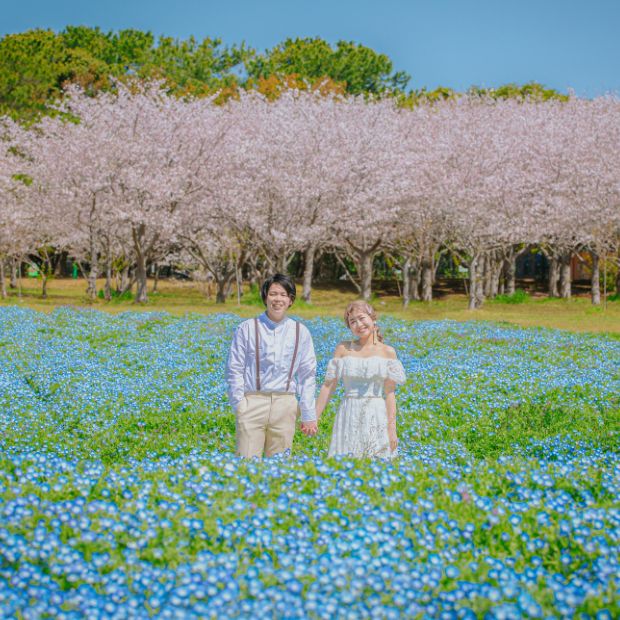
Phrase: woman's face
{"type": "Point", "coordinates": [361, 324]}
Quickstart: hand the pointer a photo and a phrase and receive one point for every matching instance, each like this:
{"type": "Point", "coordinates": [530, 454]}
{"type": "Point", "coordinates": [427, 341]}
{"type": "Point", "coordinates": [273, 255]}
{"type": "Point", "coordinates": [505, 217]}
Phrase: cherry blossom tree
{"type": "Point", "coordinates": [287, 162]}
{"type": "Point", "coordinates": [129, 164]}
{"type": "Point", "coordinates": [372, 145]}
{"type": "Point", "coordinates": [16, 227]}
{"type": "Point", "coordinates": [131, 178]}
{"type": "Point", "coordinates": [598, 156]}
{"type": "Point", "coordinates": [71, 185]}
{"type": "Point", "coordinates": [577, 165]}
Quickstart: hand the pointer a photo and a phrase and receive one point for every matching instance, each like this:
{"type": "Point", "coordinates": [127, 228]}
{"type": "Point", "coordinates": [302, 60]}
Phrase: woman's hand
{"type": "Point", "coordinates": [393, 440]}
{"type": "Point", "coordinates": [309, 428]}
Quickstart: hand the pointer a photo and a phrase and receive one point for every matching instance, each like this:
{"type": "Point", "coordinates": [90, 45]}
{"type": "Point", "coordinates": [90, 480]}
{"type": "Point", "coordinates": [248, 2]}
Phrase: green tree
{"type": "Point", "coordinates": [32, 67]}
{"type": "Point", "coordinates": [186, 65]}
{"type": "Point", "coordinates": [194, 66]}
{"type": "Point", "coordinates": [531, 90]}
{"type": "Point", "coordinates": [121, 52]}
{"type": "Point", "coordinates": [37, 64]}
{"type": "Point", "coordinates": [360, 68]}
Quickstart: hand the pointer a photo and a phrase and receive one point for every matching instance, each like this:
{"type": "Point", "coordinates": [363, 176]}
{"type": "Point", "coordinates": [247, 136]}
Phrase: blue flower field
{"type": "Point", "coordinates": [120, 496]}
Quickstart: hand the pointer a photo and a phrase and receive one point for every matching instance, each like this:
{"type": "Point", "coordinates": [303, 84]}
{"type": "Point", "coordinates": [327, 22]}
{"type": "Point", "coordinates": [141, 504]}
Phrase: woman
{"type": "Point", "coordinates": [365, 424]}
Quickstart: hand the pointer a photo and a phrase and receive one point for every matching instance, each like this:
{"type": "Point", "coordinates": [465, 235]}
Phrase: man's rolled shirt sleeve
{"type": "Point", "coordinates": [306, 378]}
{"type": "Point", "coordinates": [235, 368]}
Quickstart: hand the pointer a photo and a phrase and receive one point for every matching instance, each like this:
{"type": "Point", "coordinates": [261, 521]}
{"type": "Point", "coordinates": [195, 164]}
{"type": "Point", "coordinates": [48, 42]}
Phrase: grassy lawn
{"type": "Point", "coordinates": [179, 298]}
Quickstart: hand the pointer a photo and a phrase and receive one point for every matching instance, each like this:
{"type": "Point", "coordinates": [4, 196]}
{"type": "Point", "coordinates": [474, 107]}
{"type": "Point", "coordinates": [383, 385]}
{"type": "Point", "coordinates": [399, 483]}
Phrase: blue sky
{"type": "Point", "coordinates": [565, 44]}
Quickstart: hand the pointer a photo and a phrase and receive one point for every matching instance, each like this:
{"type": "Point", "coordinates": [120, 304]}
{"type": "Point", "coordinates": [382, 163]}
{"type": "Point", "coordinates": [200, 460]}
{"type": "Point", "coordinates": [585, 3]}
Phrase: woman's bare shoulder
{"type": "Point", "coordinates": [388, 351]}
{"type": "Point", "coordinates": [342, 348]}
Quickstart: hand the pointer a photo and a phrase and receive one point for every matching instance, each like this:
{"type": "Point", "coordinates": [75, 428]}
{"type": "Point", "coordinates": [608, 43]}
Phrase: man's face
{"type": "Point", "coordinates": [278, 302]}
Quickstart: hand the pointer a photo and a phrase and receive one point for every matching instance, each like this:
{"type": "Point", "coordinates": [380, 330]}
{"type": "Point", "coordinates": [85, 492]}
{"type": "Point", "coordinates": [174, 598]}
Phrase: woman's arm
{"type": "Point", "coordinates": [327, 389]}
{"type": "Point", "coordinates": [390, 405]}
{"type": "Point", "coordinates": [329, 385]}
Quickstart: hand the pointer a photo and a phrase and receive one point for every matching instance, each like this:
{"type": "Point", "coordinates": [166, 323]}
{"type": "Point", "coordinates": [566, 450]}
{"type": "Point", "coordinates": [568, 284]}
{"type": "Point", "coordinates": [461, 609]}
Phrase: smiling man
{"type": "Point", "coordinates": [272, 360]}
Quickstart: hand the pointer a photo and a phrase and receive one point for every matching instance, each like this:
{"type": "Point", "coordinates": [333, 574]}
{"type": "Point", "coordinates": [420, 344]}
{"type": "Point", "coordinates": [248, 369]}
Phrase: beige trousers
{"type": "Point", "coordinates": [265, 423]}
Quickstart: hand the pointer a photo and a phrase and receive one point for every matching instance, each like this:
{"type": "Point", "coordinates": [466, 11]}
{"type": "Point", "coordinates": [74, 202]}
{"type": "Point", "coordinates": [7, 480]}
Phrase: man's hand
{"type": "Point", "coordinates": [309, 428]}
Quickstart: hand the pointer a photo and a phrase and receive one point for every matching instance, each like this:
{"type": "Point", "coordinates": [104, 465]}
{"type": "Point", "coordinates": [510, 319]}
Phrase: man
{"type": "Point", "coordinates": [271, 359]}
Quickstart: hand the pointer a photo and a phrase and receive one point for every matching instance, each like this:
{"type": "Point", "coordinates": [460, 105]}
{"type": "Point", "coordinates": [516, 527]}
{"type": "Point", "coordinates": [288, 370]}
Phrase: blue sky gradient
{"type": "Point", "coordinates": [564, 44]}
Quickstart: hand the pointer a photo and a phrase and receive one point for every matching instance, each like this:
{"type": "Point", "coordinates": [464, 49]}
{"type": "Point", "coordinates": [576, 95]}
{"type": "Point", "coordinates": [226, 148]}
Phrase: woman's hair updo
{"type": "Point", "coordinates": [362, 306]}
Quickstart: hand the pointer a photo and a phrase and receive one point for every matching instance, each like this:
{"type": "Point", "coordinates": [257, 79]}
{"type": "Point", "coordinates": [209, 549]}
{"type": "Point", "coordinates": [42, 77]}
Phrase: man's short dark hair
{"type": "Point", "coordinates": [286, 282]}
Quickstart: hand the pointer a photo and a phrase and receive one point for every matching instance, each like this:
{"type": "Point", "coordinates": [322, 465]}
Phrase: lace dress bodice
{"type": "Point", "coordinates": [364, 377]}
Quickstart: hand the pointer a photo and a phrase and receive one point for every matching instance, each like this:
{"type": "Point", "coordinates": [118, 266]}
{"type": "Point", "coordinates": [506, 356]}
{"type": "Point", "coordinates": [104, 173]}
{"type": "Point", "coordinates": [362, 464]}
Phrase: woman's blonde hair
{"type": "Point", "coordinates": [363, 306]}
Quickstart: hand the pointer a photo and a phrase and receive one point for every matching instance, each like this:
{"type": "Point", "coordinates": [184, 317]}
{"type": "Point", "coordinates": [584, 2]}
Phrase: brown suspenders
{"type": "Point", "coordinates": [257, 355]}
{"type": "Point", "coordinates": [290, 372]}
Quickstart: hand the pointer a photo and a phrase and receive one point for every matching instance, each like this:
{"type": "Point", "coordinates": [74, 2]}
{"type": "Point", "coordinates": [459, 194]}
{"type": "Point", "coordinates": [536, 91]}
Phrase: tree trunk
{"type": "Point", "coordinates": [486, 274]}
{"type": "Point", "coordinates": [480, 286]}
{"type": "Point", "coordinates": [155, 277]}
{"type": "Point", "coordinates": [107, 291]}
{"type": "Point", "coordinates": [60, 264]}
{"type": "Point", "coordinates": [2, 279]}
{"type": "Point", "coordinates": [495, 271]}
{"type": "Point", "coordinates": [141, 266]}
{"type": "Point", "coordinates": [45, 270]}
{"type": "Point", "coordinates": [554, 274]}
{"type": "Point", "coordinates": [91, 289]}
{"type": "Point", "coordinates": [595, 286]}
{"type": "Point", "coordinates": [141, 282]}
{"type": "Point", "coordinates": [220, 296]}
{"type": "Point", "coordinates": [365, 262]}
{"type": "Point", "coordinates": [411, 281]}
{"type": "Point", "coordinates": [239, 283]}
{"type": "Point", "coordinates": [475, 283]}
{"type": "Point", "coordinates": [308, 270]}
{"type": "Point", "coordinates": [510, 275]}
{"type": "Point", "coordinates": [224, 286]}
{"type": "Point", "coordinates": [565, 275]}
{"type": "Point", "coordinates": [282, 264]}
{"type": "Point", "coordinates": [44, 279]}
{"type": "Point", "coordinates": [14, 263]}
{"type": "Point", "coordinates": [426, 285]}
{"type": "Point", "coordinates": [414, 281]}
{"type": "Point", "coordinates": [19, 280]}
{"type": "Point", "coordinates": [124, 283]}
{"type": "Point", "coordinates": [406, 282]}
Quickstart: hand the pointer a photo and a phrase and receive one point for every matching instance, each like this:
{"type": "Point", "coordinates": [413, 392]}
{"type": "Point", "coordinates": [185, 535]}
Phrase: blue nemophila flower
{"type": "Point", "coordinates": [120, 496]}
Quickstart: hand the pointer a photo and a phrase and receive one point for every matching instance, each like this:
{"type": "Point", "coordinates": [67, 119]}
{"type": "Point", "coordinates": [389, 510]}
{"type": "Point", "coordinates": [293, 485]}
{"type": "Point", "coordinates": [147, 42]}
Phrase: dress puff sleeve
{"type": "Point", "coordinates": [333, 370]}
{"type": "Point", "coordinates": [396, 372]}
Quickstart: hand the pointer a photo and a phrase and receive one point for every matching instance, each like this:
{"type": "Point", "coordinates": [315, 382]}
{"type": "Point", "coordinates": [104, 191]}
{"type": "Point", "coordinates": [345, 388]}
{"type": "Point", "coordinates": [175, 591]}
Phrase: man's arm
{"type": "Point", "coordinates": [235, 367]}
{"type": "Point", "coordinates": [306, 380]}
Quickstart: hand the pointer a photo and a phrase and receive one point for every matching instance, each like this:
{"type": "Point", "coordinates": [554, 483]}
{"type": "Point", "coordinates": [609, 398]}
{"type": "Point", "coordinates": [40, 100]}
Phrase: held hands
{"type": "Point", "coordinates": [309, 428]}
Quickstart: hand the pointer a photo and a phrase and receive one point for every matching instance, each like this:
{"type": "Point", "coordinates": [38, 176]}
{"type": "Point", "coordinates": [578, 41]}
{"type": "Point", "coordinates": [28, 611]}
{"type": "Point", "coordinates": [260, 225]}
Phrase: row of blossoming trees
{"type": "Point", "coordinates": [133, 178]}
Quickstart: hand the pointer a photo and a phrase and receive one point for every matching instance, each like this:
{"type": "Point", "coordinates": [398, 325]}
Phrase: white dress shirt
{"type": "Point", "coordinates": [276, 347]}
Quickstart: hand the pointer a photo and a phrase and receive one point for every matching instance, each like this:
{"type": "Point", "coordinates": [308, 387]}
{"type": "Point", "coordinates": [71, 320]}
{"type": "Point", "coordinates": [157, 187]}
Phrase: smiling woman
{"type": "Point", "coordinates": [365, 424]}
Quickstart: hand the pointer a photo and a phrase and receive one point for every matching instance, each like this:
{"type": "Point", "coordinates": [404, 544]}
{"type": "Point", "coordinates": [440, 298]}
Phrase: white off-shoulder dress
{"type": "Point", "coordinates": [361, 425]}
